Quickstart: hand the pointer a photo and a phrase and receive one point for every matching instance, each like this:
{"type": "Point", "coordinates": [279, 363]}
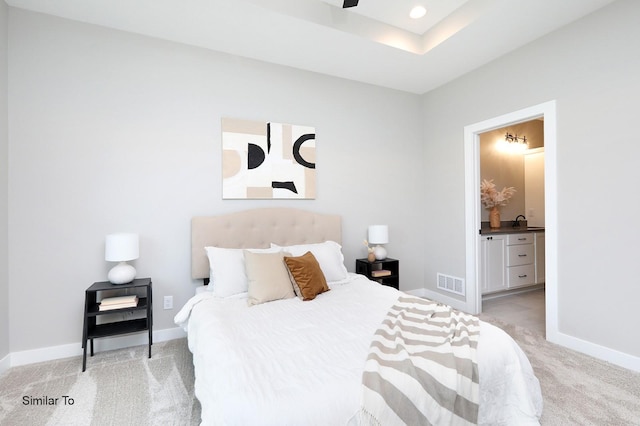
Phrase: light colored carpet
{"type": "Point", "coordinates": [124, 387]}
{"type": "Point", "coordinates": [121, 387]}
{"type": "Point", "coordinates": [577, 389]}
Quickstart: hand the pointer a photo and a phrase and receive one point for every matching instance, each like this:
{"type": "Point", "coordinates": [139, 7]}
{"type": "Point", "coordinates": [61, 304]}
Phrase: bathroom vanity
{"type": "Point", "coordinates": [511, 258]}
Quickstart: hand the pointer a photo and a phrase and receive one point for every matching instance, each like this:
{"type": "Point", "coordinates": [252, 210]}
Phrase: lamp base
{"type": "Point", "coordinates": [380, 252]}
{"type": "Point", "coordinates": [122, 273]}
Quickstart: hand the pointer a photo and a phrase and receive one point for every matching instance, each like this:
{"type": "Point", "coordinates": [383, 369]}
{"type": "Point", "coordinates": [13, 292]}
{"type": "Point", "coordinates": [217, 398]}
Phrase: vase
{"type": "Point", "coordinates": [380, 252]}
{"type": "Point", "coordinates": [371, 257]}
{"type": "Point", "coordinates": [494, 217]}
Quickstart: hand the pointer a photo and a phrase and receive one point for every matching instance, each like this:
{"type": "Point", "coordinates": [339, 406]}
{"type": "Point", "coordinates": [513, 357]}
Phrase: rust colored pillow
{"type": "Point", "coordinates": [308, 279]}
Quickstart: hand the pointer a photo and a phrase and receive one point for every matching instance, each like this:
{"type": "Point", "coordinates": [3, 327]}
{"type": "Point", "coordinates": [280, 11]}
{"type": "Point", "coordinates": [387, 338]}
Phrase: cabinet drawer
{"type": "Point", "coordinates": [520, 255]}
{"type": "Point", "coordinates": [520, 275]}
{"type": "Point", "coordinates": [513, 239]}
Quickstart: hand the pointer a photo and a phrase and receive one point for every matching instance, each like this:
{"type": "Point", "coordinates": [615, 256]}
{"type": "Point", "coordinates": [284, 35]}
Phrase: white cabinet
{"type": "Point", "coordinates": [520, 260]}
{"type": "Point", "coordinates": [492, 268]}
{"type": "Point", "coordinates": [510, 261]}
{"type": "Point", "coordinates": [539, 244]}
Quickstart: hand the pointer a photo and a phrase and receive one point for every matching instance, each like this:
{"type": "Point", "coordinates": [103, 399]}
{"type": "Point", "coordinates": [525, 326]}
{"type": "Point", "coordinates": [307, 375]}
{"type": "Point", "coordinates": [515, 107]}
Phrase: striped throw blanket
{"type": "Point", "coordinates": [421, 368]}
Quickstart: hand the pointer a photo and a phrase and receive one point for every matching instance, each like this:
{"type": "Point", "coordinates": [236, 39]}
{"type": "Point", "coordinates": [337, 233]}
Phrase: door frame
{"type": "Point", "coordinates": [473, 210]}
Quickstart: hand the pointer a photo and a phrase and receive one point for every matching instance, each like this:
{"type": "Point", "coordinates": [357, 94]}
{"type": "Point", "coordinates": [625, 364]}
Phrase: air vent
{"type": "Point", "coordinates": [451, 284]}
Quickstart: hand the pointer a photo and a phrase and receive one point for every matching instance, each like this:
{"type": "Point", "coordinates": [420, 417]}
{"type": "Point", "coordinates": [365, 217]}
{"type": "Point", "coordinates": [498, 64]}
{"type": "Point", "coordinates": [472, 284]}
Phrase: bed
{"type": "Point", "coordinates": [274, 358]}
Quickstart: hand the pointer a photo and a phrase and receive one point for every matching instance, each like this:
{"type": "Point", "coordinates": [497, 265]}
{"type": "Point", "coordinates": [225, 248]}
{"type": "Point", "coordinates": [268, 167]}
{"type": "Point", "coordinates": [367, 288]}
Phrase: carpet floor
{"type": "Point", "coordinates": [121, 387]}
{"type": "Point", "coordinates": [576, 388]}
{"type": "Point", "coordinates": [124, 387]}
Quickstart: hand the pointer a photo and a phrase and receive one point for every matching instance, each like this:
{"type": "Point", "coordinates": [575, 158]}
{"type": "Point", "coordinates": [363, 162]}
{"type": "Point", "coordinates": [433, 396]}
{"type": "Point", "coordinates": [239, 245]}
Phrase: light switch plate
{"type": "Point", "coordinates": [168, 302]}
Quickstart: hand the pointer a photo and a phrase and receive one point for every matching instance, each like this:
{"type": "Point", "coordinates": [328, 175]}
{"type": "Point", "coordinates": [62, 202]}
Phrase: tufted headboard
{"type": "Point", "coordinates": [257, 229]}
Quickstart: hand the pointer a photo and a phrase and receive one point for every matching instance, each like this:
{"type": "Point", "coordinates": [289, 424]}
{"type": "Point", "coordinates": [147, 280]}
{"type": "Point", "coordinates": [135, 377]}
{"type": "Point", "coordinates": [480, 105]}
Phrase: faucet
{"type": "Point", "coordinates": [516, 223]}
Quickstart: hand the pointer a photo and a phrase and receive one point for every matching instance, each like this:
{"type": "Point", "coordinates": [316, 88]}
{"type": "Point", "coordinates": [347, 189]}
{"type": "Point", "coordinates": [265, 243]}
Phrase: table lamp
{"type": "Point", "coordinates": [379, 234]}
{"type": "Point", "coordinates": [120, 248]}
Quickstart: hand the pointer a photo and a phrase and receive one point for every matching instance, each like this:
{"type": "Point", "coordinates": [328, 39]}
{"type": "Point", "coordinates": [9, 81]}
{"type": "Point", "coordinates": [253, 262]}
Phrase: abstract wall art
{"type": "Point", "coordinates": [264, 160]}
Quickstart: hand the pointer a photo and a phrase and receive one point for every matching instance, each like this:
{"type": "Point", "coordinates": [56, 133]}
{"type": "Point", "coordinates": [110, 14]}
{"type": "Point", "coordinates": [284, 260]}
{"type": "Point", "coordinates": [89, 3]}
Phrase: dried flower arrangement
{"type": "Point", "coordinates": [369, 249]}
{"type": "Point", "coordinates": [490, 197]}
{"type": "Point", "coordinates": [370, 255]}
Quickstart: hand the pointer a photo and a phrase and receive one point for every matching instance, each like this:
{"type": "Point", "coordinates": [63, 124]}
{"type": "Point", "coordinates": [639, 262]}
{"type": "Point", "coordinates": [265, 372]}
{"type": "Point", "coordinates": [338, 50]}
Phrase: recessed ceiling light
{"type": "Point", "coordinates": [417, 12]}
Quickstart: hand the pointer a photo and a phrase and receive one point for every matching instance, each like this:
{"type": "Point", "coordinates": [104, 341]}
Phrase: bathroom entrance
{"type": "Point", "coordinates": [512, 254]}
{"type": "Point", "coordinates": [512, 126]}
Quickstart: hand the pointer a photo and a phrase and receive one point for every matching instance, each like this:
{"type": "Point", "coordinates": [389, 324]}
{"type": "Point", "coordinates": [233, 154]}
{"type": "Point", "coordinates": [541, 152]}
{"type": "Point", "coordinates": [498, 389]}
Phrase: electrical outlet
{"type": "Point", "coordinates": [168, 302]}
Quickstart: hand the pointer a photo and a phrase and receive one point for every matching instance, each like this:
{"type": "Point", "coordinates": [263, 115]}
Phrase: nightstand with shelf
{"type": "Point", "coordinates": [92, 330]}
{"type": "Point", "coordinates": [366, 268]}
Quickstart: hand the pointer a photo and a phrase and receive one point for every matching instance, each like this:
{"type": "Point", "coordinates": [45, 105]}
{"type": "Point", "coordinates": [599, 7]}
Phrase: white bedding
{"type": "Point", "coordinates": [290, 362]}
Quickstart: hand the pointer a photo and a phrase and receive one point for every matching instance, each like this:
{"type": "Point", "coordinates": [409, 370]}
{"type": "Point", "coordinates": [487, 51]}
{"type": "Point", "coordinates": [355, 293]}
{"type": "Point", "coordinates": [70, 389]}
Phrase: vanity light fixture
{"type": "Point", "coordinates": [417, 12]}
{"type": "Point", "coordinates": [512, 143]}
{"type": "Point", "coordinates": [515, 139]}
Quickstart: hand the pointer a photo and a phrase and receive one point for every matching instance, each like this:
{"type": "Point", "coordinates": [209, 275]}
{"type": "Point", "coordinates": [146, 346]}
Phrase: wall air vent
{"type": "Point", "coordinates": [451, 284]}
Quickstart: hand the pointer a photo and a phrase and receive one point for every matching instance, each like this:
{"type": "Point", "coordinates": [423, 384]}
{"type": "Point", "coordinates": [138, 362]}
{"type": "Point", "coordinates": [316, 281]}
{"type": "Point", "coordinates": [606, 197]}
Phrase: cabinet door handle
{"type": "Point", "coordinates": [522, 255]}
{"type": "Point", "coordinates": [522, 239]}
{"type": "Point", "coordinates": [522, 276]}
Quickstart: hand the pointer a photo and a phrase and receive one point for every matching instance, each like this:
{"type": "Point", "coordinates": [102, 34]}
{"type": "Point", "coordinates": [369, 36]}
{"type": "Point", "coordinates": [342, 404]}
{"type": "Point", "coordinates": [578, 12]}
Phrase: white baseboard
{"type": "Point", "coordinates": [418, 292]}
{"type": "Point", "coordinates": [75, 349]}
{"type": "Point", "coordinates": [5, 363]}
{"type": "Point", "coordinates": [104, 344]}
{"type": "Point", "coordinates": [603, 353]}
{"type": "Point", "coordinates": [460, 305]}
{"type": "Point", "coordinates": [613, 356]}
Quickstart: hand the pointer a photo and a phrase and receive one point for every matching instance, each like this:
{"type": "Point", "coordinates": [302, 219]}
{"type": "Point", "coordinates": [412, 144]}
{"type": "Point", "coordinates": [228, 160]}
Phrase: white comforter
{"type": "Point", "coordinates": [291, 362]}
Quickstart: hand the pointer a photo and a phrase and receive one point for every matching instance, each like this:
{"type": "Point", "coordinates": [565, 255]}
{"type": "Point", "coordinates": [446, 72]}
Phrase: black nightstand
{"type": "Point", "coordinates": [91, 330]}
{"type": "Point", "coordinates": [366, 268]}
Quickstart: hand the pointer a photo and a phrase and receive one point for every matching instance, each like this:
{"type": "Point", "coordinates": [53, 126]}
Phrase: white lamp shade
{"type": "Point", "coordinates": [378, 234]}
{"type": "Point", "coordinates": [121, 247]}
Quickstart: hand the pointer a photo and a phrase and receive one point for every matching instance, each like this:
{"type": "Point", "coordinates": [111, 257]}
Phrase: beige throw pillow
{"type": "Point", "coordinates": [268, 277]}
{"type": "Point", "coordinates": [309, 279]}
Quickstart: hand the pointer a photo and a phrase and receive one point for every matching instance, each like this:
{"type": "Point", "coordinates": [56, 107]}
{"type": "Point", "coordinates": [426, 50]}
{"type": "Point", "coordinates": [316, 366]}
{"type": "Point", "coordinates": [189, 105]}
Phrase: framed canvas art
{"type": "Point", "coordinates": [264, 160]}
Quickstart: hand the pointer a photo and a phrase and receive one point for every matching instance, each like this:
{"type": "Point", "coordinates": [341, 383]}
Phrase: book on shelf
{"type": "Point", "coordinates": [117, 306]}
{"type": "Point", "coordinates": [380, 273]}
{"type": "Point", "coordinates": [118, 302]}
{"type": "Point", "coordinates": [119, 299]}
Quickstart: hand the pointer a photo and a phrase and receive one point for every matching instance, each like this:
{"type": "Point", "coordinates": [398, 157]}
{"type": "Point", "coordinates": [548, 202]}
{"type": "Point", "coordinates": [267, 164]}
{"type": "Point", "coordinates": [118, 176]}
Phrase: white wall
{"type": "Point", "coordinates": [4, 199]}
{"type": "Point", "coordinates": [112, 131]}
{"type": "Point", "coordinates": [591, 68]}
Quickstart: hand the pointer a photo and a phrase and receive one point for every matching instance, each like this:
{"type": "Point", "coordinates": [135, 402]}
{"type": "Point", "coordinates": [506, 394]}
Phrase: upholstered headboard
{"type": "Point", "coordinates": [258, 228]}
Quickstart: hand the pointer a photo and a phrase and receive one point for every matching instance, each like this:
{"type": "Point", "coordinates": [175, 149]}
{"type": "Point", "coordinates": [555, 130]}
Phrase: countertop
{"type": "Point", "coordinates": [509, 229]}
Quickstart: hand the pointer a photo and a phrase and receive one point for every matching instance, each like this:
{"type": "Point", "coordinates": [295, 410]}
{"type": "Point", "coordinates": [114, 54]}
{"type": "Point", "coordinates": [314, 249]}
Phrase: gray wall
{"type": "Point", "coordinates": [112, 131]}
{"type": "Point", "coordinates": [4, 196]}
{"type": "Point", "coordinates": [115, 132]}
{"type": "Point", "coordinates": [591, 68]}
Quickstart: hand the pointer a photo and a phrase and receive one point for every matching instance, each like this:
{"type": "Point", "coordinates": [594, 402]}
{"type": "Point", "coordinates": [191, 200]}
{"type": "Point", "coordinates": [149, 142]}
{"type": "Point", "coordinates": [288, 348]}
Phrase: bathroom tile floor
{"type": "Point", "coordinates": [524, 309]}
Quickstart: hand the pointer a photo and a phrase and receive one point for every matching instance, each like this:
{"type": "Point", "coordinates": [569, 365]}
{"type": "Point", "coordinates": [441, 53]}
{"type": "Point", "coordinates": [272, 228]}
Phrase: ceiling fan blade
{"type": "Point", "coordinates": [349, 3]}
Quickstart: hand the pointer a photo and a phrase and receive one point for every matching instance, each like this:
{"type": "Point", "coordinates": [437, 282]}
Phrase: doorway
{"type": "Point", "coordinates": [546, 111]}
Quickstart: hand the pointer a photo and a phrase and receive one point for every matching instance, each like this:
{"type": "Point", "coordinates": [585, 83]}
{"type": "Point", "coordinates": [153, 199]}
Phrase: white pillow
{"type": "Point", "coordinates": [227, 270]}
{"type": "Point", "coordinates": [328, 254]}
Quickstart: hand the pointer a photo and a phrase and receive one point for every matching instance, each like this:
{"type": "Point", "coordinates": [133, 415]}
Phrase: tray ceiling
{"type": "Point", "coordinates": [374, 43]}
